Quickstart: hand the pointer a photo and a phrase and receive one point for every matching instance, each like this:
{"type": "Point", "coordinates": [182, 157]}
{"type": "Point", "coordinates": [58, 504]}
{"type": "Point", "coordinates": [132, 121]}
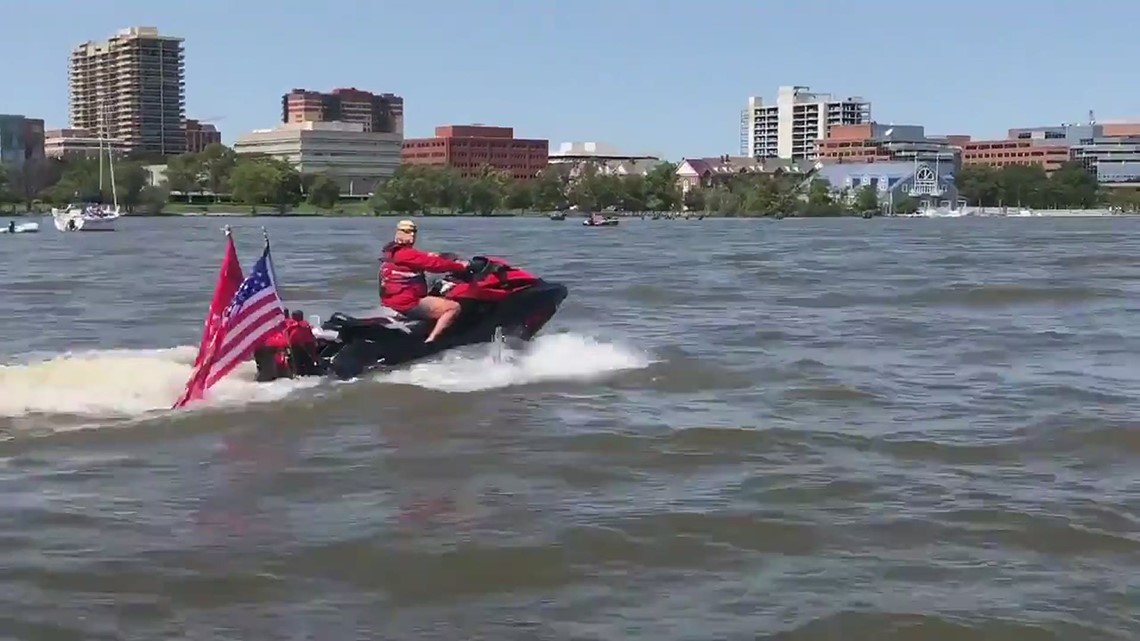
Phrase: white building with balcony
{"type": "Point", "coordinates": [790, 128]}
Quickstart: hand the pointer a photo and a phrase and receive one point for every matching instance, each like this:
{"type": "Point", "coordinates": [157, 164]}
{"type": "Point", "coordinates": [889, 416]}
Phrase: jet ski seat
{"type": "Point", "coordinates": [380, 315]}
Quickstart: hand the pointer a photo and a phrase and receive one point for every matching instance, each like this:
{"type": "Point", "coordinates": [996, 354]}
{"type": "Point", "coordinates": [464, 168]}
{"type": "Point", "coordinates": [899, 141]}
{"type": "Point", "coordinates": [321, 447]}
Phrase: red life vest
{"type": "Point", "coordinates": [299, 333]}
{"type": "Point", "coordinates": [399, 282]}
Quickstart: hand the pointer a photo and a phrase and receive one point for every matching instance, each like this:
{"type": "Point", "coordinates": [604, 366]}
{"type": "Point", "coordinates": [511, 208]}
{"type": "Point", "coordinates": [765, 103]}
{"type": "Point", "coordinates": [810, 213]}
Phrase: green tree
{"type": "Point", "coordinates": [820, 201]}
{"type": "Point", "coordinates": [907, 205]}
{"type": "Point", "coordinates": [520, 195]}
{"type": "Point", "coordinates": [184, 174]}
{"type": "Point", "coordinates": [265, 181]}
{"type": "Point", "coordinates": [867, 199]}
{"type": "Point", "coordinates": [549, 190]}
{"type": "Point", "coordinates": [324, 192]}
{"type": "Point", "coordinates": [217, 163]}
{"type": "Point", "coordinates": [79, 182]}
{"type": "Point", "coordinates": [5, 193]}
{"type": "Point", "coordinates": [398, 194]}
{"type": "Point", "coordinates": [32, 180]}
{"type": "Point", "coordinates": [662, 192]}
{"type": "Point", "coordinates": [131, 179]}
{"type": "Point", "coordinates": [484, 195]}
{"type": "Point", "coordinates": [152, 200]}
{"type": "Point", "coordinates": [1071, 185]}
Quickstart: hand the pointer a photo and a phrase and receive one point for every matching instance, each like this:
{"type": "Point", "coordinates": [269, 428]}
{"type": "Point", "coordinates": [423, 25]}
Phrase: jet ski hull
{"type": "Point", "coordinates": [348, 347]}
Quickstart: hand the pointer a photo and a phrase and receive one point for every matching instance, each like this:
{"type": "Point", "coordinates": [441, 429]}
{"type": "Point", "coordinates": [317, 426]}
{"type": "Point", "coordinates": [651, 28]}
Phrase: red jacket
{"type": "Point", "coordinates": [277, 340]}
{"type": "Point", "coordinates": [403, 281]}
{"type": "Point", "coordinates": [299, 333]}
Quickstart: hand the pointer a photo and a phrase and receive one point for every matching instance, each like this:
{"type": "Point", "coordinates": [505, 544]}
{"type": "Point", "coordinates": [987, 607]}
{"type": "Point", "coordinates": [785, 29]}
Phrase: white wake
{"type": "Point", "coordinates": [139, 383]}
{"type": "Point", "coordinates": [548, 358]}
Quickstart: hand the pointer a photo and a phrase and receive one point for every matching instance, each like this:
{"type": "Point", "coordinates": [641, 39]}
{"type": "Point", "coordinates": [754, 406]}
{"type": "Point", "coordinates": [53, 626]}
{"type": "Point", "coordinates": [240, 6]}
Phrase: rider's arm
{"type": "Point", "coordinates": [424, 261]}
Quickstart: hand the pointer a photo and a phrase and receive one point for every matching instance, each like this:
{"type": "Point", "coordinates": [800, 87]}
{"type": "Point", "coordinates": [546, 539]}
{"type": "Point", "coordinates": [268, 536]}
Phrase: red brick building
{"type": "Point", "coordinates": [200, 134]}
{"type": "Point", "coordinates": [378, 112]}
{"type": "Point", "coordinates": [468, 148]}
{"type": "Point", "coordinates": [1000, 153]}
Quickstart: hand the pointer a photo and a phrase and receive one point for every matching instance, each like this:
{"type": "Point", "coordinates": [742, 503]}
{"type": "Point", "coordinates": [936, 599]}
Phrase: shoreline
{"type": "Point", "coordinates": [269, 213]}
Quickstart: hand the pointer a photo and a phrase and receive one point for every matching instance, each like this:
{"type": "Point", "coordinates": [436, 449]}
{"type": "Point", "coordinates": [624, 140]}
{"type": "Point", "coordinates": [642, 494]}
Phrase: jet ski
{"type": "Point", "coordinates": [495, 298]}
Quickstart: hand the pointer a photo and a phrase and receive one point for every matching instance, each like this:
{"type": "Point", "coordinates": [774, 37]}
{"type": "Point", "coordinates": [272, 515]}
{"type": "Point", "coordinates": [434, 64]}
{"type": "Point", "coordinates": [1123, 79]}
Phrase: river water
{"type": "Point", "coordinates": [807, 429]}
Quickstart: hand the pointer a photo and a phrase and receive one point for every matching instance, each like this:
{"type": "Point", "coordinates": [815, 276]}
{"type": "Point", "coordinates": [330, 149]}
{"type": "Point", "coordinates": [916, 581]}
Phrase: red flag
{"type": "Point", "coordinates": [253, 314]}
{"type": "Point", "coordinates": [227, 284]}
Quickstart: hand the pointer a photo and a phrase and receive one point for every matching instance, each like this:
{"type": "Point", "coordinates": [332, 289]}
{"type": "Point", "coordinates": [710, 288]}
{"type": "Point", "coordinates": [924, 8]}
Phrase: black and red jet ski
{"type": "Point", "coordinates": [495, 298]}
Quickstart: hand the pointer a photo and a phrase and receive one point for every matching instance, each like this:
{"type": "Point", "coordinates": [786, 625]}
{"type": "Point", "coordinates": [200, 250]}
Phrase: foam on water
{"type": "Point", "coordinates": [122, 384]}
{"type": "Point", "coordinates": [128, 384]}
{"type": "Point", "coordinates": [553, 357]}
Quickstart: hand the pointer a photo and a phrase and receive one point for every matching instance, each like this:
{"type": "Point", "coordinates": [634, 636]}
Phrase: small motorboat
{"type": "Point", "coordinates": [558, 215]}
{"type": "Point", "coordinates": [22, 228]}
{"type": "Point", "coordinates": [598, 221]}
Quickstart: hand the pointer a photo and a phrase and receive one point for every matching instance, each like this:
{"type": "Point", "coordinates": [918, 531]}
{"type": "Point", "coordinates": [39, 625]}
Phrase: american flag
{"type": "Point", "coordinates": [253, 314]}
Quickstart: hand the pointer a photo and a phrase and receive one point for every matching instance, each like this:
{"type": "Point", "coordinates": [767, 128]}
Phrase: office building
{"type": "Point", "coordinates": [875, 142]}
{"type": "Point", "coordinates": [21, 140]}
{"type": "Point", "coordinates": [199, 135]}
{"type": "Point", "coordinates": [1114, 160]}
{"type": "Point", "coordinates": [383, 113]}
{"type": "Point", "coordinates": [790, 128]}
{"type": "Point", "coordinates": [131, 88]}
{"type": "Point", "coordinates": [78, 143]}
{"type": "Point", "coordinates": [470, 148]}
{"type": "Point", "coordinates": [1001, 153]}
{"type": "Point", "coordinates": [344, 151]}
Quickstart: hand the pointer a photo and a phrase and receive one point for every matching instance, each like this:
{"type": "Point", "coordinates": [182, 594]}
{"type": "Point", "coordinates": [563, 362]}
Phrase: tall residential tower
{"type": "Point", "coordinates": [790, 128]}
{"type": "Point", "coordinates": [131, 88]}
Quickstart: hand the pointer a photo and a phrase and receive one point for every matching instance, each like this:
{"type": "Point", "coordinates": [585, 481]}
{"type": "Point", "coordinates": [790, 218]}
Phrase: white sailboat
{"type": "Point", "coordinates": [93, 216]}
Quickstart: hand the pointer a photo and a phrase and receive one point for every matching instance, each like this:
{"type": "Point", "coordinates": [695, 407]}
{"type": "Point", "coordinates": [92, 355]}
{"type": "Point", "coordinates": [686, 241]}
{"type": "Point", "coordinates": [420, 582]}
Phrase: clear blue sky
{"type": "Point", "coordinates": [665, 76]}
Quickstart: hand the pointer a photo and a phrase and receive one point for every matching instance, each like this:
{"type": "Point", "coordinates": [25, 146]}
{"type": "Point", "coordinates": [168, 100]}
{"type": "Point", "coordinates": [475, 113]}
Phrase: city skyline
{"type": "Point", "coordinates": [502, 67]}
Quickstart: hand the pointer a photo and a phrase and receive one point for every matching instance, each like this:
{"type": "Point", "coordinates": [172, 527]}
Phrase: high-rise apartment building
{"type": "Point", "coordinates": [379, 113]}
{"type": "Point", "coordinates": [790, 128]}
{"type": "Point", "coordinates": [131, 88]}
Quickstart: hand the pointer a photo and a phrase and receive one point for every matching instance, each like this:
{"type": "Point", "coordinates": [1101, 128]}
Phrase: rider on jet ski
{"type": "Point", "coordinates": [403, 280]}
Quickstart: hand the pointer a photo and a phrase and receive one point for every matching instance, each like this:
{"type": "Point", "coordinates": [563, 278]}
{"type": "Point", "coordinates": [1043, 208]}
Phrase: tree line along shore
{"type": "Point", "coordinates": [217, 180]}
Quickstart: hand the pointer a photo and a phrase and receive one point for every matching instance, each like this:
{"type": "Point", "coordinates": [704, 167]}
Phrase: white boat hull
{"type": "Point", "coordinates": [22, 228]}
{"type": "Point", "coordinates": [71, 220]}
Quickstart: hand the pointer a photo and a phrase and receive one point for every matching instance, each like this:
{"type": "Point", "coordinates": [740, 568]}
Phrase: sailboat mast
{"type": "Point", "coordinates": [111, 167]}
{"type": "Point", "coordinates": [101, 132]}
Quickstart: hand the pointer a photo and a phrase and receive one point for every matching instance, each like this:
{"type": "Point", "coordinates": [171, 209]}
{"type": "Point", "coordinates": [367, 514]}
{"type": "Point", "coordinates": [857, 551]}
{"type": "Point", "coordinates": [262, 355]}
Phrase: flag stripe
{"type": "Point", "coordinates": [270, 321]}
{"type": "Point", "coordinates": [240, 322]}
{"type": "Point", "coordinates": [252, 315]}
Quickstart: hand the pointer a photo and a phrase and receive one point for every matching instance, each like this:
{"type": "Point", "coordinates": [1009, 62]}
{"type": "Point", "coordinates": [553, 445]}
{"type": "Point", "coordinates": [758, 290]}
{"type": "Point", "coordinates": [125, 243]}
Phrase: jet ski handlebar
{"type": "Point", "coordinates": [478, 267]}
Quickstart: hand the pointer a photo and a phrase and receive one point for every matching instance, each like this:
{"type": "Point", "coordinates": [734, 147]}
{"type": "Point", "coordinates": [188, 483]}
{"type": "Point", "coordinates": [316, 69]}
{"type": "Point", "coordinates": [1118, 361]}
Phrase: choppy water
{"type": "Point", "coordinates": [841, 429]}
